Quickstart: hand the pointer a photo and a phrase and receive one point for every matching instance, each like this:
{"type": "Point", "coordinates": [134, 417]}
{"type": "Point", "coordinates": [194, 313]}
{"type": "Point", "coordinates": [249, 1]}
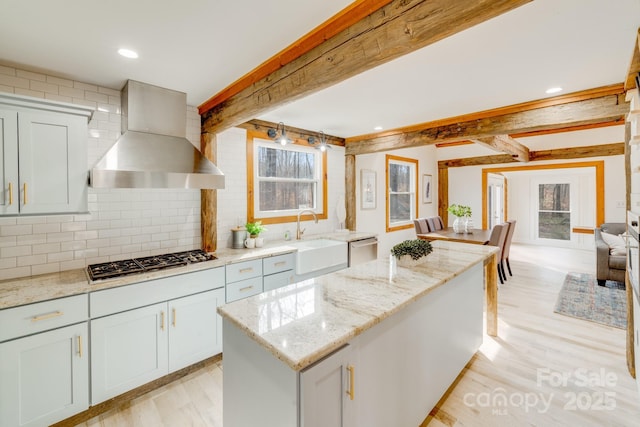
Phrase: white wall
{"type": "Point", "coordinates": [232, 201]}
{"type": "Point", "coordinates": [121, 223]}
{"type": "Point", "coordinates": [375, 220]}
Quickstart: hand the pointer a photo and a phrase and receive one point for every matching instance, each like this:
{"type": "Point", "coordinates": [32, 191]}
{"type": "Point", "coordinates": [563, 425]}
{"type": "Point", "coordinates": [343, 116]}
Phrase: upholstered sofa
{"type": "Point", "coordinates": [611, 256]}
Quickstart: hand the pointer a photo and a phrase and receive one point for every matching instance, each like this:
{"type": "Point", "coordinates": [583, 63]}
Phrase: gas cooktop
{"type": "Point", "coordinates": [107, 270]}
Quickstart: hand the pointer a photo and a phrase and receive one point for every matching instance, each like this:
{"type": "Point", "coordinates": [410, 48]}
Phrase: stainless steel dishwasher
{"type": "Point", "coordinates": [363, 250]}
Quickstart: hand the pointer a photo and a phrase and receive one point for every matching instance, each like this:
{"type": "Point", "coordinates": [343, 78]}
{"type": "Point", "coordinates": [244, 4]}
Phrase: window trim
{"type": "Point", "coordinates": [414, 193]}
{"type": "Point", "coordinates": [251, 136]}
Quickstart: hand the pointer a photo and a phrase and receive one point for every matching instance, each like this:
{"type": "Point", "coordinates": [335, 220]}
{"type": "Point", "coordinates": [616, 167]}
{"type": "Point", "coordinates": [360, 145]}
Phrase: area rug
{"type": "Point", "coordinates": [581, 297]}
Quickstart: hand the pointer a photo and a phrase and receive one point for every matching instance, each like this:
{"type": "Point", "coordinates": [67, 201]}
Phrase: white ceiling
{"type": "Point", "coordinates": [201, 46]}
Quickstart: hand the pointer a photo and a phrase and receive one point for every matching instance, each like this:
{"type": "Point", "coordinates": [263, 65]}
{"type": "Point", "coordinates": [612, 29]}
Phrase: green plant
{"type": "Point", "coordinates": [415, 248]}
{"type": "Point", "coordinates": [254, 228]}
{"type": "Point", "coordinates": [459, 210]}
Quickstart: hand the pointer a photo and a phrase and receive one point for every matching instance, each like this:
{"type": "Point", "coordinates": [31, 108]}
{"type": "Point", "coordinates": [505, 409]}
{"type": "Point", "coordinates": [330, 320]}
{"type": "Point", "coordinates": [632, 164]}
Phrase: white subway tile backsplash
{"type": "Point", "coordinates": [59, 237]}
{"type": "Point", "coordinates": [32, 259]}
{"type": "Point", "coordinates": [15, 230]}
{"type": "Point", "coordinates": [15, 251]}
{"type": "Point", "coordinates": [52, 267]}
{"type": "Point", "coordinates": [6, 241]}
{"type": "Point", "coordinates": [31, 239]}
{"type": "Point", "coordinates": [46, 228]}
{"type": "Point", "coordinates": [60, 256]}
{"type": "Point", "coordinates": [12, 273]}
{"type": "Point", "coordinates": [46, 248]}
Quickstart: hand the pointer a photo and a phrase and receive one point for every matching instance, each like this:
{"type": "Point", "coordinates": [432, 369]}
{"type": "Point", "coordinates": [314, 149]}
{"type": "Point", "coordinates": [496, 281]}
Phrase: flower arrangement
{"type": "Point", "coordinates": [416, 249]}
{"type": "Point", "coordinates": [459, 210]}
{"type": "Point", "coordinates": [254, 228]}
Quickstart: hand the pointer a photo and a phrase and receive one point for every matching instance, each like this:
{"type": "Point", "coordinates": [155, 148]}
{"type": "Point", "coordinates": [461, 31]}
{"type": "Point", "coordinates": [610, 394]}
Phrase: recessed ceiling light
{"type": "Point", "coordinates": [554, 90]}
{"type": "Point", "coordinates": [128, 53]}
{"type": "Point", "coordinates": [377, 128]}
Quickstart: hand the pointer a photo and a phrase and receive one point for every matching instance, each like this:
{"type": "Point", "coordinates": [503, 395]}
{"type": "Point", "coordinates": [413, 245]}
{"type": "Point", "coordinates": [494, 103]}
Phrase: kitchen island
{"type": "Point", "coordinates": [372, 345]}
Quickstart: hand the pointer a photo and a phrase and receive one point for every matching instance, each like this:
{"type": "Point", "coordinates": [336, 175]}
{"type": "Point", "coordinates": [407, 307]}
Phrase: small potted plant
{"type": "Point", "coordinates": [462, 223]}
{"type": "Point", "coordinates": [411, 252]}
{"type": "Point", "coordinates": [254, 229]}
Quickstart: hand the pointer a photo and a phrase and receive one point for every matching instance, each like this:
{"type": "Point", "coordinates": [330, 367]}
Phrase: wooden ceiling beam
{"type": "Point", "coordinates": [505, 144]}
{"type": "Point", "coordinates": [595, 110]}
{"type": "Point", "coordinates": [394, 30]}
{"type": "Point", "coordinates": [634, 67]}
{"type": "Point", "coordinates": [292, 132]}
{"type": "Point", "coordinates": [537, 156]}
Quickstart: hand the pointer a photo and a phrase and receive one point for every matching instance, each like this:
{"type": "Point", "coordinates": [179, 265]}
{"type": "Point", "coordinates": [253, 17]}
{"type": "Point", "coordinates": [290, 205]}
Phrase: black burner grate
{"type": "Point", "coordinates": [112, 269]}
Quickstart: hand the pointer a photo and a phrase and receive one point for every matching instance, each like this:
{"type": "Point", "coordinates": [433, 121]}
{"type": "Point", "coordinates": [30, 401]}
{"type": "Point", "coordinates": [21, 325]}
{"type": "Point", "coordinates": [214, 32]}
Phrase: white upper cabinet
{"type": "Point", "coordinates": [43, 156]}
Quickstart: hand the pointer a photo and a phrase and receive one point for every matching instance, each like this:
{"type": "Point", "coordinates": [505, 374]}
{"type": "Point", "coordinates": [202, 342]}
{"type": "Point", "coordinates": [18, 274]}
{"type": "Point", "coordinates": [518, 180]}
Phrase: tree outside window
{"type": "Point", "coordinates": [554, 211]}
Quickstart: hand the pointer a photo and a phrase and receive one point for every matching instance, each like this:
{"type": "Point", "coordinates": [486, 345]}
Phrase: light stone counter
{"type": "Point", "coordinates": [303, 322]}
{"type": "Point", "coordinates": [32, 289]}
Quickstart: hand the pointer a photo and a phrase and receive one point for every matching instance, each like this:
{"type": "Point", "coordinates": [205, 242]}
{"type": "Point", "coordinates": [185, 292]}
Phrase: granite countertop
{"type": "Point", "coordinates": [303, 322]}
{"type": "Point", "coordinates": [32, 289]}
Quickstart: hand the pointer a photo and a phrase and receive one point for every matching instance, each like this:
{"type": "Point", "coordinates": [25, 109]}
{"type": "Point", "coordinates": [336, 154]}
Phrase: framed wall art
{"type": "Point", "coordinates": [427, 189]}
{"type": "Point", "coordinates": [367, 189]}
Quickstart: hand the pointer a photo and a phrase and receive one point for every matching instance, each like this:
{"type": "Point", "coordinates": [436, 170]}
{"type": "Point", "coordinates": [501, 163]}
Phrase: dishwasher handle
{"type": "Point", "coordinates": [364, 242]}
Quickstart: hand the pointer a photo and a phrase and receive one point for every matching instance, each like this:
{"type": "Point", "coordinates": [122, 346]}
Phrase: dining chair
{"type": "Point", "coordinates": [420, 225]}
{"type": "Point", "coordinates": [497, 238]}
{"type": "Point", "coordinates": [431, 224]}
{"type": "Point", "coordinates": [437, 223]}
{"type": "Point", "coordinates": [507, 245]}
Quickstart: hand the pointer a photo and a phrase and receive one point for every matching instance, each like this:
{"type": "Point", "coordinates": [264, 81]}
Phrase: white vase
{"type": "Point", "coordinates": [407, 261]}
{"type": "Point", "coordinates": [458, 225]}
{"type": "Point", "coordinates": [468, 225]}
{"type": "Point", "coordinates": [259, 242]}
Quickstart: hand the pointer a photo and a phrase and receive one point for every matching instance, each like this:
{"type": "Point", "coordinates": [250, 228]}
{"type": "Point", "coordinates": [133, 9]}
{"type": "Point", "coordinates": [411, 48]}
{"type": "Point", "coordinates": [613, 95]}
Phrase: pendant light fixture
{"type": "Point", "coordinates": [281, 137]}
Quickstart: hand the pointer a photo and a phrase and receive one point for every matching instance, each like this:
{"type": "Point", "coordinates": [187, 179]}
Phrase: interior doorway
{"type": "Point", "coordinates": [495, 199]}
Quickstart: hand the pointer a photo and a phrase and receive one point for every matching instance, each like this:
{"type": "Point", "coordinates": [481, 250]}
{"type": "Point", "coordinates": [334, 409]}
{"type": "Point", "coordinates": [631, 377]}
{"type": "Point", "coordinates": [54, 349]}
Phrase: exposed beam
{"type": "Point", "coordinates": [536, 156]}
{"type": "Point", "coordinates": [634, 67]}
{"type": "Point", "coordinates": [602, 109]}
{"type": "Point", "coordinates": [394, 30]}
{"type": "Point", "coordinates": [603, 150]}
{"type": "Point", "coordinates": [505, 144]}
{"type": "Point", "coordinates": [263, 126]}
{"type": "Point", "coordinates": [209, 198]}
{"type": "Point", "coordinates": [618, 122]}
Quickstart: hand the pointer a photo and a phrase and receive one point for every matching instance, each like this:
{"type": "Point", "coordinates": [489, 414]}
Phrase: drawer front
{"type": "Point", "coordinates": [115, 300]}
{"type": "Point", "coordinates": [244, 289]}
{"type": "Point", "coordinates": [278, 263]}
{"type": "Point", "coordinates": [29, 319]}
{"type": "Point", "coordinates": [278, 280]}
{"type": "Point", "coordinates": [244, 270]}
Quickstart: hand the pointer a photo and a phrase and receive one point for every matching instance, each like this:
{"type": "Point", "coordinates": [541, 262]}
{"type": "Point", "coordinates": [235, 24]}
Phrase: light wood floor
{"type": "Point", "coordinates": [535, 346]}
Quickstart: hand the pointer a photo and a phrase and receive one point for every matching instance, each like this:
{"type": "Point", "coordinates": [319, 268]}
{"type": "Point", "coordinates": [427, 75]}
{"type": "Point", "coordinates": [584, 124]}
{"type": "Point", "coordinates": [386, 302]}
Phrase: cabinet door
{"type": "Point", "coordinates": [327, 391]}
{"type": "Point", "coordinates": [44, 378]}
{"type": "Point", "coordinates": [277, 280]}
{"type": "Point", "coordinates": [195, 330]}
{"type": "Point", "coordinates": [8, 162]}
{"type": "Point", "coordinates": [52, 162]}
{"type": "Point", "coordinates": [128, 350]}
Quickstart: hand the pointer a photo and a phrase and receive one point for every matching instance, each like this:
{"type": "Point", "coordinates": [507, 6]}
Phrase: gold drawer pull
{"type": "Point", "coordinates": [47, 316]}
{"type": "Point", "coordinates": [162, 320]}
{"type": "Point", "coordinates": [24, 192]}
{"type": "Point", "coordinates": [246, 288]}
{"type": "Point", "coordinates": [10, 193]}
{"type": "Point", "coordinates": [246, 270]}
{"type": "Point", "coordinates": [80, 346]}
{"type": "Point", "coordinates": [278, 264]}
{"type": "Point", "coordinates": [352, 375]}
{"type": "Point", "coordinates": [173, 322]}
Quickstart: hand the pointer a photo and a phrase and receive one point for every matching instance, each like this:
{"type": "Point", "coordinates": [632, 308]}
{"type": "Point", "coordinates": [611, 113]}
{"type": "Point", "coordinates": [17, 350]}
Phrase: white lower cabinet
{"type": "Point", "coordinates": [327, 389]}
{"type": "Point", "coordinates": [130, 349]}
{"type": "Point", "coordinates": [44, 378]}
{"type": "Point", "coordinates": [127, 350]}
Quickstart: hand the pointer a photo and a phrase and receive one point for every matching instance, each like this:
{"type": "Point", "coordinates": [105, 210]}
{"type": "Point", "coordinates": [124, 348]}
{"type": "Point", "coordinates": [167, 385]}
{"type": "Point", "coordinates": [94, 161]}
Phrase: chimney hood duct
{"type": "Point", "coordinates": [152, 151]}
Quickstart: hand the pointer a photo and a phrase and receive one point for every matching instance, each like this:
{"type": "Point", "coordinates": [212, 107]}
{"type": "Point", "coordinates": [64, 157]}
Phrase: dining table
{"type": "Point", "coordinates": [476, 237]}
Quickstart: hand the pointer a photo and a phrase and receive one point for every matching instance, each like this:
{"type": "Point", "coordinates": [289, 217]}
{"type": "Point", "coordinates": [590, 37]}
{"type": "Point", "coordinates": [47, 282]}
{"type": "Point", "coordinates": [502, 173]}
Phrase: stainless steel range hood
{"type": "Point", "coordinates": [153, 151]}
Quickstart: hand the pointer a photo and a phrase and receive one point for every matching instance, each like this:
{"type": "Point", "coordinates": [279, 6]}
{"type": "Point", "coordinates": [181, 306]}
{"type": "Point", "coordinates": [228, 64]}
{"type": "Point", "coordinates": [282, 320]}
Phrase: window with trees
{"type": "Point", "coordinates": [554, 211]}
{"type": "Point", "coordinates": [284, 179]}
{"type": "Point", "coordinates": [402, 184]}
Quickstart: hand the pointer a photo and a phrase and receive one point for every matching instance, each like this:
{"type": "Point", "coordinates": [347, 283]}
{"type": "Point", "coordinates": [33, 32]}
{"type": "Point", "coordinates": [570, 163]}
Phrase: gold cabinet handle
{"type": "Point", "coordinates": [162, 320]}
{"type": "Point", "coordinates": [47, 316]}
{"type": "Point", "coordinates": [80, 346]}
{"type": "Point", "coordinates": [10, 193]}
{"type": "Point", "coordinates": [246, 270]}
{"type": "Point", "coordinates": [173, 322]}
{"type": "Point", "coordinates": [278, 264]}
{"type": "Point", "coordinates": [24, 192]}
{"type": "Point", "coordinates": [246, 288]}
{"type": "Point", "coordinates": [352, 378]}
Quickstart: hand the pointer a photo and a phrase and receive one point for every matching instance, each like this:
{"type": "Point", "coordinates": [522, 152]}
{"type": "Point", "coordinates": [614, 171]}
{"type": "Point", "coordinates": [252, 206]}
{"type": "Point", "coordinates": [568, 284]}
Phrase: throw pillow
{"type": "Point", "coordinates": [616, 244]}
